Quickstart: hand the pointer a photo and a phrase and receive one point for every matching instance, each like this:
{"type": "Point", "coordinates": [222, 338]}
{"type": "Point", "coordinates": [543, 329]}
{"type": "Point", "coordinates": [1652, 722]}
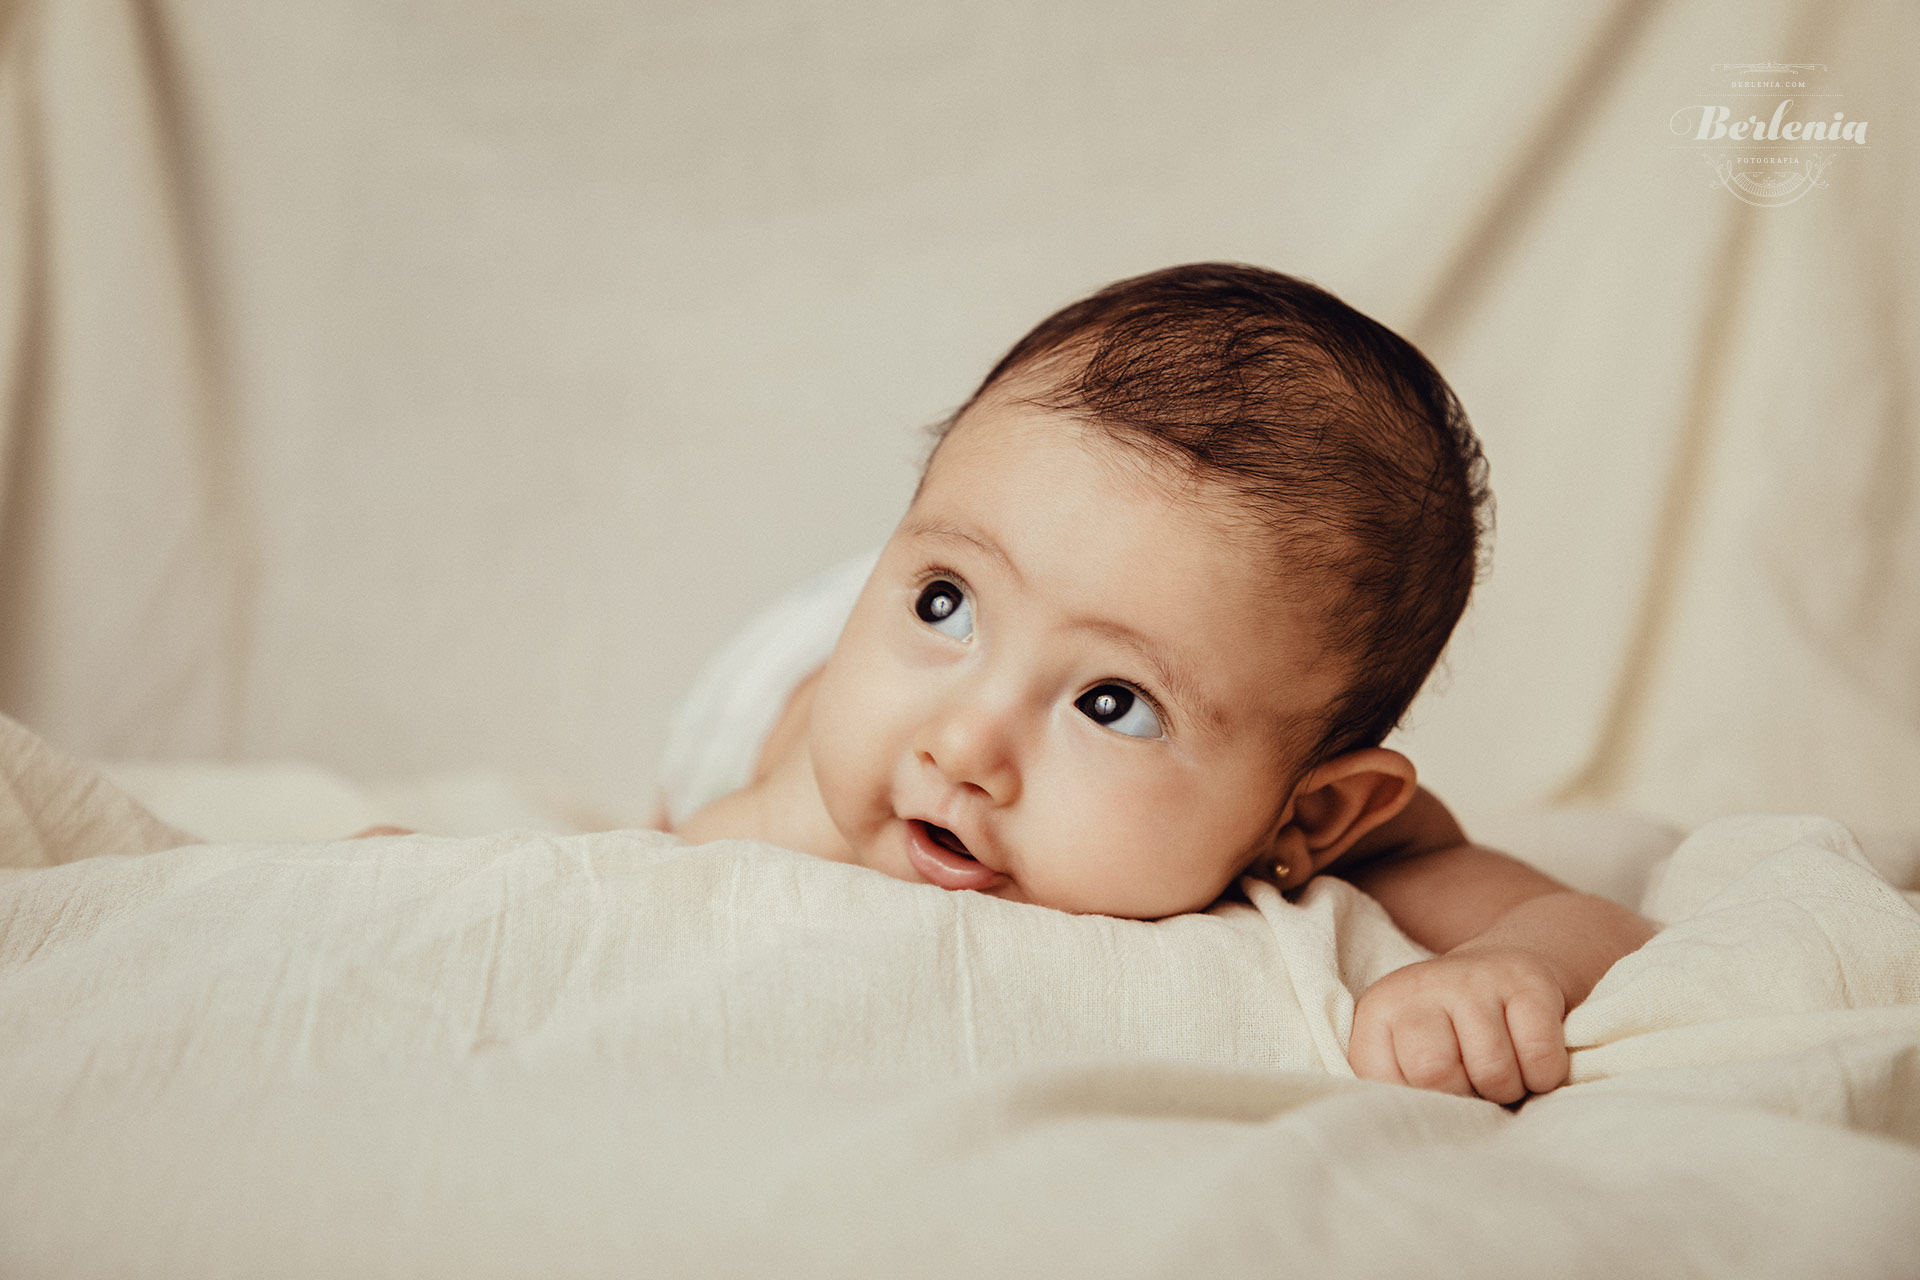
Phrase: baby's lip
{"type": "Point", "coordinates": [941, 866]}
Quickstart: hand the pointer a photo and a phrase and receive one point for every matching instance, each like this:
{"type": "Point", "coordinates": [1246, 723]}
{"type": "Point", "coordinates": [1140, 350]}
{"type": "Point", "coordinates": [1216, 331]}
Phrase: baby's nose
{"type": "Point", "coordinates": [971, 743]}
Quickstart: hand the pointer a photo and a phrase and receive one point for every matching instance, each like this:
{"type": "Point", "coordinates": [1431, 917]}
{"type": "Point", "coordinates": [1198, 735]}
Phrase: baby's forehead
{"type": "Point", "coordinates": [1129, 459]}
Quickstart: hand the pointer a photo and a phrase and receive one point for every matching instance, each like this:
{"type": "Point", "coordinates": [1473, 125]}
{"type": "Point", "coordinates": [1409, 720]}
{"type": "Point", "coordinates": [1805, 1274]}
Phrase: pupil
{"type": "Point", "coordinates": [1108, 703]}
{"type": "Point", "coordinates": [937, 602]}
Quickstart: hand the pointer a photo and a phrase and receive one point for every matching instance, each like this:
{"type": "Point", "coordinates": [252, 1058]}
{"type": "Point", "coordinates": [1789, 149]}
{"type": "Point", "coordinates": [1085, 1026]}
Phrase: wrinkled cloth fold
{"type": "Point", "coordinates": [587, 1053]}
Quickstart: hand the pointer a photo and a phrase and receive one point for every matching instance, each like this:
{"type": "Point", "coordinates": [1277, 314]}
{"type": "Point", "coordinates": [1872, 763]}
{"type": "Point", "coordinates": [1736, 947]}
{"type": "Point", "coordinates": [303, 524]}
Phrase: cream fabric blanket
{"type": "Point", "coordinates": [617, 1053]}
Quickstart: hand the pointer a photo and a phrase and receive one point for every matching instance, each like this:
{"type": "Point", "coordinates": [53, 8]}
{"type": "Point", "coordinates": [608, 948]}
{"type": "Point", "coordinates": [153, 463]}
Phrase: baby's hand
{"type": "Point", "coordinates": [1476, 1020]}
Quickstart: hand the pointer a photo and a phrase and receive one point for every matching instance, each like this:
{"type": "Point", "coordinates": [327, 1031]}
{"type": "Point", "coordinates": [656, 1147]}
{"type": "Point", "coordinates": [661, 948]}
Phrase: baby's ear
{"type": "Point", "coordinates": [1335, 805]}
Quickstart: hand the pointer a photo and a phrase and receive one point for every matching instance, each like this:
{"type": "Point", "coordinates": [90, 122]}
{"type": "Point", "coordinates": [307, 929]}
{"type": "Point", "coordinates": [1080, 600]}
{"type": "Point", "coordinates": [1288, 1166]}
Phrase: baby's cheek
{"type": "Point", "coordinates": [841, 782]}
{"type": "Point", "coordinates": [1093, 848]}
{"type": "Point", "coordinates": [856, 740]}
{"type": "Point", "coordinates": [1164, 849]}
{"type": "Point", "coordinates": [830, 749]}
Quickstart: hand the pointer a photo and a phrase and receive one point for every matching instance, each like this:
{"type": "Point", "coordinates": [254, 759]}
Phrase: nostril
{"type": "Point", "coordinates": [964, 773]}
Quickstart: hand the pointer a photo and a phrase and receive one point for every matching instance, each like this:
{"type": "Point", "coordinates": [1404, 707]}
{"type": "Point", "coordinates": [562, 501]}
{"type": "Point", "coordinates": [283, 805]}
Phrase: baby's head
{"type": "Point", "coordinates": [1171, 575]}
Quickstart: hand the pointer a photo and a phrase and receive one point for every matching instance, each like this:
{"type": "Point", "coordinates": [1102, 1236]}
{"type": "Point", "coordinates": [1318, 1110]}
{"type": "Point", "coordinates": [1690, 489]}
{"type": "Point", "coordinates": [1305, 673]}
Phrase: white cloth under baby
{"type": "Point", "coordinates": [718, 729]}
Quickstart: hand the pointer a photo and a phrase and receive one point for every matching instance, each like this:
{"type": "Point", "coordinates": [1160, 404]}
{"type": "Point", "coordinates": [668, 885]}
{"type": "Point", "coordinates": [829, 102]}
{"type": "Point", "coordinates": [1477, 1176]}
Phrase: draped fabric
{"type": "Point", "coordinates": [435, 386]}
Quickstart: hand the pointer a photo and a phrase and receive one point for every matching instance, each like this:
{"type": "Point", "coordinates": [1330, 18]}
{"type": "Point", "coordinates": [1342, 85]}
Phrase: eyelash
{"type": "Point", "coordinates": [938, 572]}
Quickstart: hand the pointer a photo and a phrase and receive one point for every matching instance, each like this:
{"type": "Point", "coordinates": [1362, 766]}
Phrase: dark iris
{"type": "Point", "coordinates": [1105, 703]}
{"type": "Point", "coordinates": [937, 602]}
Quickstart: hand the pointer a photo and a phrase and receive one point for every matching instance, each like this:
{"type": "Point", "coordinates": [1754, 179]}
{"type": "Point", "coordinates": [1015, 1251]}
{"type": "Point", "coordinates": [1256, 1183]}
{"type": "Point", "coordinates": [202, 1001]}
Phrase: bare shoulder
{"type": "Point", "coordinates": [788, 730]}
{"type": "Point", "coordinates": [781, 805]}
{"type": "Point", "coordinates": [734, 816]}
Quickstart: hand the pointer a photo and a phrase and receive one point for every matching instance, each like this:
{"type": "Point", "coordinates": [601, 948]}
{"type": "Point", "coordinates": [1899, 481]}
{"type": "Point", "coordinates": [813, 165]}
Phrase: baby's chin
{"type": "Point", "coordinates": [1011, 891]}
{"type": "Point", "coordinates": [1121, 906]}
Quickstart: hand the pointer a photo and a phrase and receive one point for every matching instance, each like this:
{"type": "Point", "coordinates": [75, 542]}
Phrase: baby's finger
{"type": "Point", "coordinates": [1428, 1052]}
{"type": "Point", "coordinates": [1370, 1049]}
{"type": "Point", "coordinates": [1537, 1025]}
{"type": "Point", "coordinates": [1487, 1053]}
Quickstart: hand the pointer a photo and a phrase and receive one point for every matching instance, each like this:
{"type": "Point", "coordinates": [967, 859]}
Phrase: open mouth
{"type": "Point", "coordinates": [940, 857]}
{"type": "Point", "coordinates": [947, 840]}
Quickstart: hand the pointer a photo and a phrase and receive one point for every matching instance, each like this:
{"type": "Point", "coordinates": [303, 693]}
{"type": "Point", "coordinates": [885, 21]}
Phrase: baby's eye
{"type": "Point", "coordinates": [1120, 709]}
{"type": "Point", "coordinates": [943, 606]}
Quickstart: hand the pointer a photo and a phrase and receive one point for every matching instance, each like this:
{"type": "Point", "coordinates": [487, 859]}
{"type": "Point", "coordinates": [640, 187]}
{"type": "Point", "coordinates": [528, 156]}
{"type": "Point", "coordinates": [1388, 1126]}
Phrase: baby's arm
{"type": "Point", "coordinates": [1517, 950]}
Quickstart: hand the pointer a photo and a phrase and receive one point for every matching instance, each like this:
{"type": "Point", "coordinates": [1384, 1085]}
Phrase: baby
{"type": "Point", "coordinates": [1169, 578]}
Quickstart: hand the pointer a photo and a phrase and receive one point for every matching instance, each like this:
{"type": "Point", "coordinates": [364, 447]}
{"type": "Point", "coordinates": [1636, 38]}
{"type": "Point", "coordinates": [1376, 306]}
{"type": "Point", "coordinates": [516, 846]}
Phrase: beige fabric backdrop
{"type": "Point", "coordinates": [419, 387]}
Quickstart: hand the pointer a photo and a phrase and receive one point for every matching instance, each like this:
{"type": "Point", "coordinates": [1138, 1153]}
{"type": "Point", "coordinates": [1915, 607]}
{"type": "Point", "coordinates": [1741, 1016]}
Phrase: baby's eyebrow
{"type": "Point", "coordinates": [928, 527]}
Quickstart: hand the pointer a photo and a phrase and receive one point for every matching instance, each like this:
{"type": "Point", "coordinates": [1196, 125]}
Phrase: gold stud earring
{"type": "Point", "coordinates": [1281, 870]}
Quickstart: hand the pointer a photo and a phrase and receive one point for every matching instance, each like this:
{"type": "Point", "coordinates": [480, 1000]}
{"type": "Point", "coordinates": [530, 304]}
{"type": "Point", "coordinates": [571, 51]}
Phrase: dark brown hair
{"type": "Point", "coordinates": [1332, 433]}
